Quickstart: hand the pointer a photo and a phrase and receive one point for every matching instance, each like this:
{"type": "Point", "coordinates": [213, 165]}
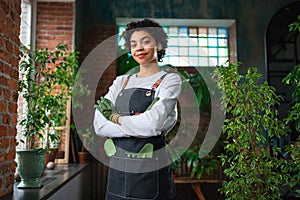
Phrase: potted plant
{"type": "Point", "coordinates": [86, 140]}
{"type": "Point", "coordinates": [83, 140]}
{"type": "Point", "coordinates": [46, 86]}
{"type": "Point", "coordinates": [250, 160]}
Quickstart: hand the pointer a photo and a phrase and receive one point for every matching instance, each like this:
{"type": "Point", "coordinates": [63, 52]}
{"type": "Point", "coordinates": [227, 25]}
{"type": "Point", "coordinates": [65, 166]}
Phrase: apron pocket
{"type": "Point", "coordinates": [116, 178]}
{"type": "Point", "coordinates": [143, 185]}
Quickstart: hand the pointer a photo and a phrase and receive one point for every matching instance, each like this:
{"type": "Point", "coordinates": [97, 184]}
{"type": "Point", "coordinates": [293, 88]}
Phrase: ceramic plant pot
{"type": "Point", "coordinates": [30, 167]}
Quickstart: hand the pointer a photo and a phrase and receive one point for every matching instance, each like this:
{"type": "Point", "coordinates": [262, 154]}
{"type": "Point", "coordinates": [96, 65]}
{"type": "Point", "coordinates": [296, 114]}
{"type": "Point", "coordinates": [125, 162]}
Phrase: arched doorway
{"type": "Point", "coordinates": [283, 53]}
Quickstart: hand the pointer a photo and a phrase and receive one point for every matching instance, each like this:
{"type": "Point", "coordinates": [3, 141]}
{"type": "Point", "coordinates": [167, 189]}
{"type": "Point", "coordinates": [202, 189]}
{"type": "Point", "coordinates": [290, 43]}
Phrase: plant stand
{"type": "Point", "coordinates": [195, 184]}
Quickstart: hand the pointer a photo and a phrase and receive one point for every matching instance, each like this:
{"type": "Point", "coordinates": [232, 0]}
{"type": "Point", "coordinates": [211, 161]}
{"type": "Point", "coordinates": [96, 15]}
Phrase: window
{"type": "Point", "coordinates": [25, 32]}
{"type": "Point", "coordinates": [194, 45]}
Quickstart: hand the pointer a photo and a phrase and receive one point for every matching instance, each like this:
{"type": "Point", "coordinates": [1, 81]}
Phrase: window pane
{"type": "Point", "coordinates": [193, 42]}
{"type": "Point", "coordinates": [193, 51]}
{"type": "Point", "coordinates": [213, 61]}
{"type": "Point", "coordinates": [173, 60]}
{"type": "Point", "coordinates": [193, 32]}
{"type": "Point", "coordinates": [25, 26]}
{"type": "Point", "coordinates": [222, 32]}
{"type": "Point", "coordinates": [183, 61]}
{"type": "Point", "coordinates": [174, 51]}
{"type": "Point", "coordinates": [121, 29]}
{"type": "Point", "coordinates": [173, 31]}
{"type": "Point", "coordinates": [223, 52]}
{"type": "Point", "coordinates": [212, 42]}
{"type": "Point", "coordinates": [222, 42]}
{"type": "Point", "coordinates": [183, 41]}
{"type": "Point", "coordinates": [203, 51]}
{"type": "Point", "coordinates": [166, 29]}
{"type": "Point", "coordinates": [213, 52]}
{"type": "Point", "coordinates": [183, 31]}
{"type": "Point", "coordinates": [202, 32]}
{"type": "Point", "coordinates": [183, 51]}
{"type": "Point", "coordinates": [173, 41]}
{"type": "Point", "coordinates": [222, 60]}
{"type": "Point", "coordinates": [203, 61]}
{"type": "Point", "coordinates": [212, 32]}
{"type": "Point", "coordinates": [203, 42]}
{"type": "Point", "coordinates": [193, 62]}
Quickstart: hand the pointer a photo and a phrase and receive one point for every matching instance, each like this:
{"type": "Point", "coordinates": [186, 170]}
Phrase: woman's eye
{"type": "Point", "coordinates": [147, 42]}
{"type": "Point", "coordinates": [133, 45]}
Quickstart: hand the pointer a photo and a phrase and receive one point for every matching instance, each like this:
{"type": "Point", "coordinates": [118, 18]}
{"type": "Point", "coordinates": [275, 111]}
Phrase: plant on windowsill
{"type": "Point", "coordinates": [251, 163]}
{"type": "Point", "coordinates": [46, 87]}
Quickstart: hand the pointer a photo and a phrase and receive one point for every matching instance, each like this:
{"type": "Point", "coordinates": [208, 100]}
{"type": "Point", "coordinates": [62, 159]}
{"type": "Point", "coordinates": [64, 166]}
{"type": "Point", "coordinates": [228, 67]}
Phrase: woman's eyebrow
{"type": "Point", "coordinates": [145, 37]}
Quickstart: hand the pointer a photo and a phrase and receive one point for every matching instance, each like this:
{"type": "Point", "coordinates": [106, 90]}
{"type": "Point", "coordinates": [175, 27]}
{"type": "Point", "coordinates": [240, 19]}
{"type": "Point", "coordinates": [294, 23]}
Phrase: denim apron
{"type": "Point", "coordinates": [153, 184]}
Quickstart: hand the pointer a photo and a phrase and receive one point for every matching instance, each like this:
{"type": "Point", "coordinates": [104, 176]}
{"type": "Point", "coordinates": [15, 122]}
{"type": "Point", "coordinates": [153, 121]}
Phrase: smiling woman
{"type": "Point", "coordinates": [136, 114]}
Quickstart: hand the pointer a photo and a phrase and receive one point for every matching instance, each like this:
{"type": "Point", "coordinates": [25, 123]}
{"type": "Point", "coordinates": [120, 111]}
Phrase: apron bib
{"type": "Point", "coordinates": [155, 184]}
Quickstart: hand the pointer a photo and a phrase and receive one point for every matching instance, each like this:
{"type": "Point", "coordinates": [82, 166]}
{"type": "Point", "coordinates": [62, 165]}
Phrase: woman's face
{"type": "Point", "coordinates": [143, 47]}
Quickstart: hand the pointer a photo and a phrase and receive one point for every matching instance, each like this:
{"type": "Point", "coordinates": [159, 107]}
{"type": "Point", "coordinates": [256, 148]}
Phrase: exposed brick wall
{"type": "Point", "coordinates": [10, 11]}
{"type": "Point", "coordinates": [55, 24]}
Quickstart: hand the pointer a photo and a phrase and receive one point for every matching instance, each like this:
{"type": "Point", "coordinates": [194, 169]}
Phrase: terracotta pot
{"type": "Point", "coordinates": [50, 155]}
{"type": "Point", "coordinates": [83, 157]}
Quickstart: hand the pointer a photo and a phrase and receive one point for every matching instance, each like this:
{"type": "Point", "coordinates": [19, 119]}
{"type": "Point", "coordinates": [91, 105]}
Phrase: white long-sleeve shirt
{"type": "Point", "coordinates": [160, 118]}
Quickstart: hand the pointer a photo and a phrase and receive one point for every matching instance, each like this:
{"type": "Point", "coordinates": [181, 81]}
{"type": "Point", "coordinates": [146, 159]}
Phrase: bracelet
{"type": "Point", "coordinates": [114, 118]}
{"type": "Point", "coordinates": [117, 119]}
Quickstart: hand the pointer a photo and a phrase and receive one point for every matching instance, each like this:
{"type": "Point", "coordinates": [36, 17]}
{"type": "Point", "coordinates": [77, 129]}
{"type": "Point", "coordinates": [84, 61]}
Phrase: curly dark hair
{"type": "Point", "coordinates": [151, 27]}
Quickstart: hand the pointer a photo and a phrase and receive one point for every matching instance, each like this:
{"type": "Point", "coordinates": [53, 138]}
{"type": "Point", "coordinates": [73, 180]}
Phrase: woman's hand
{"type": "Point", "coordinates": [106, 107]}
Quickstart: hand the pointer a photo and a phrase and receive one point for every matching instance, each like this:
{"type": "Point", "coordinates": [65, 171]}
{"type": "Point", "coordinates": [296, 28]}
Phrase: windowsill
{"type": "Point", "coordinates": [52, 181]}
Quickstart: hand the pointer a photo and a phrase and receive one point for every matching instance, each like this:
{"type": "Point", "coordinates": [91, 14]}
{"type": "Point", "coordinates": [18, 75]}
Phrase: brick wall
{"type": "Point", "coordinates": [10, 11]}
{"type": "Point", "coordinates": [55, 24]}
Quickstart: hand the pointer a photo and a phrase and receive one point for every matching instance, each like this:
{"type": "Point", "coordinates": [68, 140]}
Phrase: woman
{"type": "Point", "coordinates": [136, 113]}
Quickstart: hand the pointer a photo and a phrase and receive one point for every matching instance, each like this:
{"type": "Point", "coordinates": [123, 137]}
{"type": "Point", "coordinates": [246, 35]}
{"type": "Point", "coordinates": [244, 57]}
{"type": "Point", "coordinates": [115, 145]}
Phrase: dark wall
{"type": "Point", "coordinates": [252, 18]}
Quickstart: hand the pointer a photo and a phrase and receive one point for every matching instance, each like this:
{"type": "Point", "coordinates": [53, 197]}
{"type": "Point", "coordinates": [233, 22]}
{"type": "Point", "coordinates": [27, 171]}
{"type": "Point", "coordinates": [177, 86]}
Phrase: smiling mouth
{"type": "Point", "coordinates": [142, 55]}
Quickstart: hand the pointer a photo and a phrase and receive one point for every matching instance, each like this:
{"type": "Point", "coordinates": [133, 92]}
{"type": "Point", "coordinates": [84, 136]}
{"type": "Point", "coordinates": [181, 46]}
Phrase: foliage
{"type": "Point", "coordinates": [46, 86]}
{"type": "Point", "coordinates": [292, 79]}
{"type": "Point", "coordinates": [295, 26]}
{"type": "Point", "coordinates": [199, 86]}
{"type": "Point", "coordinates": [251, 163]}
{"type": "Point", "coordinates": [200, 166]}
{"type": "Point", "coordinates": [197, 165]}
{"type": "Point", "coordinates": [125, 61]}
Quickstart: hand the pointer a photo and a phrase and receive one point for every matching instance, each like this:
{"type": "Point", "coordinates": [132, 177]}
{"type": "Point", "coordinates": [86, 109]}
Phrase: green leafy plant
{"type": "Point", "coordinates": [199, 86]}
{"type": "Point", "coordinates": [200, 166]}
{"type": "Point", "coordinates": [293, 80]}
{"type": "Point", "coordinates": [46, 85]}
{"type": "Point", "coordinates": [250, 160]}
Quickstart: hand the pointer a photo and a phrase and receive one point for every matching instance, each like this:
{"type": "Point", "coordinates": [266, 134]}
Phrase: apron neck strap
{"type": "Point", "coordinates": [125, 82]}
{"type": "Point", "coordinates": [154, 86]}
